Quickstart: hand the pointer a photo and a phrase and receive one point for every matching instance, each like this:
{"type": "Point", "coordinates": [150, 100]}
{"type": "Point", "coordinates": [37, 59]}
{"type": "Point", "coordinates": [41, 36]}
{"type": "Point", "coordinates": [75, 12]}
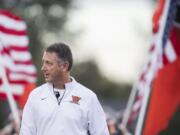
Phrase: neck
{"type": "Point", "coordinates": [60, 84]}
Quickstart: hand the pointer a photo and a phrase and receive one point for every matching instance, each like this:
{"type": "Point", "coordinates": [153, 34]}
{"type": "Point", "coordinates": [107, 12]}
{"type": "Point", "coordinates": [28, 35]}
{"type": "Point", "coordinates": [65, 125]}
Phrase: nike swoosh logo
{"type": "Point", "coordinates": [43, 98]}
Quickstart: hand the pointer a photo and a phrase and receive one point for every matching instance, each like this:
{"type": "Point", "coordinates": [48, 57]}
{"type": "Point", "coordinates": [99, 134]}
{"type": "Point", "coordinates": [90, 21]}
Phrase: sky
{"type": "Point", "coordinates": [115, 33]}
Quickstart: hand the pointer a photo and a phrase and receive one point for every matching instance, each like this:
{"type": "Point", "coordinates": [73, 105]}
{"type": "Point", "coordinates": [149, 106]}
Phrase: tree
{"type": "Point", "coordinates": [43, 18]}
{"type": "Point", "coordinates": [89, 74]}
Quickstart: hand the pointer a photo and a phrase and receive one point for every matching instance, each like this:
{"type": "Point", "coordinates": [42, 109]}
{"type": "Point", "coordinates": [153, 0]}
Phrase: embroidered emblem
{"type": "Point", "coordinates": [75, 99]}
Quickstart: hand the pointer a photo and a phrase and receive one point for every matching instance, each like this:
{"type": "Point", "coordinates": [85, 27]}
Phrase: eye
{"type": "Point", "coordinates": [49, 63]}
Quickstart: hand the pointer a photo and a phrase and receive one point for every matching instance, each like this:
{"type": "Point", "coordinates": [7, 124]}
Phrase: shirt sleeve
{"type": "Point", "coordinates": [28, 120]}
{"type": "Point", "coordinates": [96, 118]}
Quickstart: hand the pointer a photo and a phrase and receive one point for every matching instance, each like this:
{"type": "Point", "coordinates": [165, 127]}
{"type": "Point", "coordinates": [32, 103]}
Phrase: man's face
{"type": "Point", "coordinates": [52, 67]}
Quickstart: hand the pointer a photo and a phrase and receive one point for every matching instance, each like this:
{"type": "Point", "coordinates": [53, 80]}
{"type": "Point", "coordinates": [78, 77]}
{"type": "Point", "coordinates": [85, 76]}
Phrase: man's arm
{"type": "Point", "coordinates": [28, 120]}
{"type": "Point", "coordinates": [96, 118]}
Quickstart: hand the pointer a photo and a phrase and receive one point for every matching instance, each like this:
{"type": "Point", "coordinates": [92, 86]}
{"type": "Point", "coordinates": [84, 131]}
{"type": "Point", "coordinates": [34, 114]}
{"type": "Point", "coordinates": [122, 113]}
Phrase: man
{"type": "Point", "coordinates": [62, 106]}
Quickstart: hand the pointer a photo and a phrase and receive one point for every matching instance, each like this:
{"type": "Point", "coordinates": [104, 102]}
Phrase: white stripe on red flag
{"type": "Point", "coordinates": [11, 21]}
{"type": "Point", "coordinates": [15, 57]}
{"type": "Point", "coordinates": [169, 52]}
{"type": "Point", "coordinates": [7, 62]}
{"type": "Point", "coordinates": [161, 58]}
{"type": "Point", "coordinates": [8, 39]}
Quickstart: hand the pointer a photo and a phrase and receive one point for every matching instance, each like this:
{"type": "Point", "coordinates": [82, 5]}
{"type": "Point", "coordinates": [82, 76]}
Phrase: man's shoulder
{"type": "Point", "coordinates": [39, 90]}
{"type": "Point", "coordinates": [87, 95]}
{"type": "Point", "coordinates": [84, 90]}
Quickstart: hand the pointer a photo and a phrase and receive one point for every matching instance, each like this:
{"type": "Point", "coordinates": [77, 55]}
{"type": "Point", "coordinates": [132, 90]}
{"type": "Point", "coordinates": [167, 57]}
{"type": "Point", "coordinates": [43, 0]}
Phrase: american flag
{"type": "Point", "coordinates": [15, 57]}
{"type": "Point", "coordinates": [163, 50]}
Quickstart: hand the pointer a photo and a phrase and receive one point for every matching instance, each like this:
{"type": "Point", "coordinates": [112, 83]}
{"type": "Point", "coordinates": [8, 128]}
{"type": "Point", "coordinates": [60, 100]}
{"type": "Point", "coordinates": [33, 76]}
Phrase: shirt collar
{"type": "Point", "coordinates": [48, 89]}
{"type": "Point", "coordinates": [70, 85]}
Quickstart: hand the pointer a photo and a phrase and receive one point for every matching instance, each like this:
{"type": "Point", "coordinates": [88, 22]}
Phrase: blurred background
{"type": "Point", "coordinates": [109, 41]}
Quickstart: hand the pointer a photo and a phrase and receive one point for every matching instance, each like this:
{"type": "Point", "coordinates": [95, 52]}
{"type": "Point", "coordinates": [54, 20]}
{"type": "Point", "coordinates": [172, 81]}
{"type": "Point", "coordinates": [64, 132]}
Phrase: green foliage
{"type": "Point", "coordinates": [42, 17]}
{"type": "Point", "coordinates": [88, 74]}
{"type": "Point", "coordinates": [49, 16]}
{"type": "Point", "coordinates": [4, 111]}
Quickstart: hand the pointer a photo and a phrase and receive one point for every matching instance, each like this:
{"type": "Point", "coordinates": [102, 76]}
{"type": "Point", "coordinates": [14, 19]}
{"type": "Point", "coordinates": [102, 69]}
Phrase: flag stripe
{"type": "Point", "coordinates": [8, 14]}
{"type": "Point", "coordinates": [7, 62]}
{"type": "Point", "coordinates": [17, 47]}
{"type": "Point", "coordinates": [14, 53]}
{"type": "Point", "coordinates": [15, 88]}
{"type": "Point", "coordinates": [165, 59]}
{"type": "Point", "coordinates": [28, 62]}
{"type": "Point", "coordinates": [12, 31]}
{"type": "Point", "coordinates": [170, 52]}
{"type": "Point", "coordinates": [20, 56]}
{"type": "Point", "coordinates": [175, 40]}
{"type": "Point", "coordinates": [34, 74]}
{"type": "Point", "coordinates": [15, 60]}
{"type": "Point", "coordinates": [20, 79]}
{"type": "Point", "coordinates": [11, 24]}
{"type": "Point", "coordinates": [8, 48]}
{"type": "Point", "coordinates": [7, 39]}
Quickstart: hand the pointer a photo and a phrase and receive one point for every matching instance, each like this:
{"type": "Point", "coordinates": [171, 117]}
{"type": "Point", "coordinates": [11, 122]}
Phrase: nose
{"type": "Point", "coordinates": [43, 67]}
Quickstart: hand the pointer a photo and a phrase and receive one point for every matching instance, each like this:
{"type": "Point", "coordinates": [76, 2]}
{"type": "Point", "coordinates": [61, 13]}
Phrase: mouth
{"type": "Point", "coordinates": [46, 76]}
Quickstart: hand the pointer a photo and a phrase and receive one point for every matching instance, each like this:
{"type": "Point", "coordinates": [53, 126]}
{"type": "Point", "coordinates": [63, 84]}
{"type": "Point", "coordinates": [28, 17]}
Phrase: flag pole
{"type": "Point", "coordinates": [142, 114]}
{"type": "Point", "coordinates": [129, 107]}
{"type": "Point", "coordinates": [10, 98]}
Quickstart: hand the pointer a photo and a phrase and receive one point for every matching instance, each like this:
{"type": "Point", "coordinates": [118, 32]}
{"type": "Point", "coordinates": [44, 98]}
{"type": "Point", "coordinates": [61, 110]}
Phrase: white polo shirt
{"type": "Point", "coordinates": [78, 112]}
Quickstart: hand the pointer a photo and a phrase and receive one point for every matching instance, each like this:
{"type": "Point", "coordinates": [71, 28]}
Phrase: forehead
{"type": "Point", "coordinates": [50, 56]}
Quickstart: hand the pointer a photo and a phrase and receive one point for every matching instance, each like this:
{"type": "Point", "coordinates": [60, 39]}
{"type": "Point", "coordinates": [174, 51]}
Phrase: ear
{"type": "Point", "coordinates": [65, 66]}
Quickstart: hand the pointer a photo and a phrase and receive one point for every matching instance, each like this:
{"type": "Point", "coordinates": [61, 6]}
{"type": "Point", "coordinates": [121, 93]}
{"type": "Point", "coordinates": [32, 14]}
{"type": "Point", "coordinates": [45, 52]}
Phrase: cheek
{"type": "Point", "coordinates": [55, 71]}
{"type": "Point", "coordinates": [51, 69]}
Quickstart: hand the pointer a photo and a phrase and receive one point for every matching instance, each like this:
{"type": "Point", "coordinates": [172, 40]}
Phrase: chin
{"type": "Point", "coordinates": [48, 80]}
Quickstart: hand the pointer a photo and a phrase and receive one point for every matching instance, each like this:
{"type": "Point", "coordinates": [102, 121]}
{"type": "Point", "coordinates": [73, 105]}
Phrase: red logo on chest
{"type": "Point", "coordinates": [75, 99]}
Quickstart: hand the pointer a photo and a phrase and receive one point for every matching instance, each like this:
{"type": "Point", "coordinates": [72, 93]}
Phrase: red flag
{"type": "Point", "coordinates": [22, 99]}
{"type": "Point", "coordinates": [165, 97]}
{"type": "Point", "coordinates": [149, 72]}
{"type": "Point", "coordinates": [15, 57]}
{"type": "Point", "coordinates": [162, 65]}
